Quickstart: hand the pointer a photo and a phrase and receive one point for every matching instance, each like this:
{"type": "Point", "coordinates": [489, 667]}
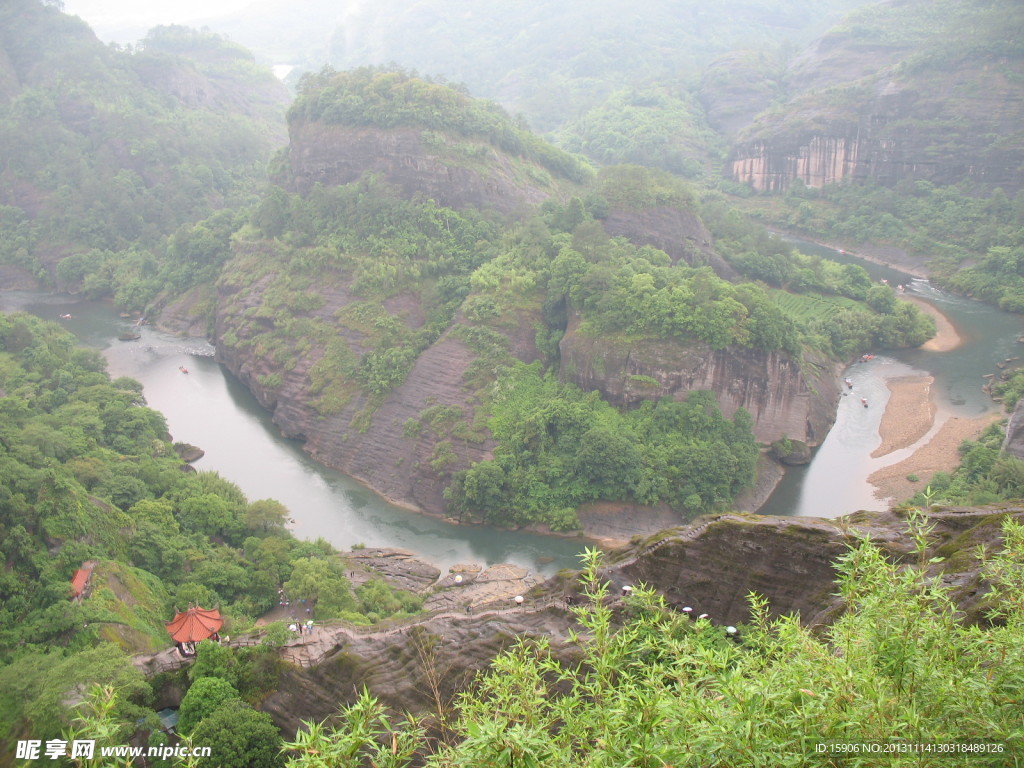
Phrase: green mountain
{"type": "Point", "coordinates": [109, 150]}
{"type": "Point", "coordinates": [482, 325]}
{"type": "Point", "coordinates": [442, 305]}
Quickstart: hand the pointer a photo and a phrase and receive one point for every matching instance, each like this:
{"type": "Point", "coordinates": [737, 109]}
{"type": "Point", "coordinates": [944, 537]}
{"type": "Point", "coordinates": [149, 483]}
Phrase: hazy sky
{"type": "Point", "coordinates": [125, 21]}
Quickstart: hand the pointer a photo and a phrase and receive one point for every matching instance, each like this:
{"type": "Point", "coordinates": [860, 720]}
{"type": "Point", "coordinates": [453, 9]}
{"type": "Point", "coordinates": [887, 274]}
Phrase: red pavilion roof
{"type": "Point", "coordinates": [194, 625]}
{"type": "Point", "coordinates": [81, 578]}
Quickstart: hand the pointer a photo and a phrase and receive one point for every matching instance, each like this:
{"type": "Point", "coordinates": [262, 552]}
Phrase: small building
{"type": "Point", "coordinates": [81, 581]}
{"type": "Point", "coordinates": [193, 626]}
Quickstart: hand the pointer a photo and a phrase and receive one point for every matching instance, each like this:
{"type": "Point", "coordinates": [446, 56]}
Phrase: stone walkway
{"type": "Point", "coordinates": [308, 650]}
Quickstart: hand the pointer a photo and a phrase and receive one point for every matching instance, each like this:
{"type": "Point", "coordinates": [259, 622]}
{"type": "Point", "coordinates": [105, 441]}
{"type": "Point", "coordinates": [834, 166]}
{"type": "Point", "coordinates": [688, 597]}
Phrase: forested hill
{"type": "Point", "coordinates": [445, 307]}
{"type": "Point", "coordinates": [429, 138]}
{"type": "Point", "coordinates": [107, 151]}
{"type": "Point", "coordinates": [89, 479]}
{"type": "Point", "coordinates": [483, 326]}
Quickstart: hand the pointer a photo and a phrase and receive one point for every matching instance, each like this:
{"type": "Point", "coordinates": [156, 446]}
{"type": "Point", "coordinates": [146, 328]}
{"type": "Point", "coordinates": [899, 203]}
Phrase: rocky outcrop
{"type": "Point", "coordinates": [615, 523]}
{"type": "Point", "coordinates": [366, 442]}
{"type": "Point", "coordinates": [188, 452]}
{"type": "Point", "coordinates": [714, 564]}
{"type": "Point", "coordinates": [189, 314]}
{"type": "Point", "coordinates": [860, 111]}
{"type": "Point", "coordinates": [367, 437]}
{"type": "Point", "coordinates": [678, 232]}
{"type": "Point", "coordinates": [784, 399]}
{"type": "Point", "coordinates": [772, 165]}
{"type": "Point", "coordinates": [792, 453]}
{"type": "Point", "coordinates": [399, 567]}
{"type": "Point", "coordinates": [711, 567]}
{"type": "Point", "coordinates": [468, 587]}
{"type": "Point", "coordinates": [331, 155]}
{"type": "Point", "coordinates": [410, 668]}
{"type": "Point", "coordinates": [1013, 443]}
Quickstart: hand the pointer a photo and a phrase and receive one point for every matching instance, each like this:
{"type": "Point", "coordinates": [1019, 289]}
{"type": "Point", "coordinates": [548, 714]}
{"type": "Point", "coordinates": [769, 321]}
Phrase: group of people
{"type": "Point", "coordinates": [849, 385]}
{"type": "Point", "coordinates": [298, 627]}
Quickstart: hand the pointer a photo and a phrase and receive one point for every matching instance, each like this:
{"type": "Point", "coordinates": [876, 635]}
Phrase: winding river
{"type": "Point", "coordinates": [209, 408]}
{"type": "Point", "coordinates": [835, 483]}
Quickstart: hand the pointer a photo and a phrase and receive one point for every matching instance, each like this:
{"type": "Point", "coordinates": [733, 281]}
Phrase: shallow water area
{"type": "Point", "coordinates": [843, 462]}
{"type": "Point", "coordinates": [835, 483]}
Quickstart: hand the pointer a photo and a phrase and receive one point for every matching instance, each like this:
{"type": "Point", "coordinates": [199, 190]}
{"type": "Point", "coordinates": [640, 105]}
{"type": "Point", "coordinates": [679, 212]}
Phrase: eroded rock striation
{"type": "Point", "coordinates": [366, 440]}
{"type": "Point", "coordinates": [783, 397]}
{"type": "Point", "coordinates": [1013, 443]}
{"type": "Point", "coordinates": [710, 566]}
{"type": "Point", "coordinates": [866, 109]}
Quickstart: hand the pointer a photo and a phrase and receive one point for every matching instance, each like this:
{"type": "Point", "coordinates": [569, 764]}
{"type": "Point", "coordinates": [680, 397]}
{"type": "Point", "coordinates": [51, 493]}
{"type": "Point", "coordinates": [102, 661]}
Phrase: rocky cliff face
{"type": "Point", "coordinates": [715, 563]}
{"type": "Point", "coordinates": [772, 165]}
{"type": "Point", "coordinates": [410, 669]}
{"type": "Point", "coordinates": [901, 133]}
{"type": "Point", "coordinates": [376, 454]}
{"type": "Point", "coordinates": [1013, 443]}
{"type": "Point", "coordinates": [439, 169]}
{"type": "Point", "coordinates": [710, 566]}
{"type": "Point", "coordinates": [884, 106]}
{"type": "Point", "coordinates": [782, 399]}
{"type": "Point", "coordinates": [365, 436]}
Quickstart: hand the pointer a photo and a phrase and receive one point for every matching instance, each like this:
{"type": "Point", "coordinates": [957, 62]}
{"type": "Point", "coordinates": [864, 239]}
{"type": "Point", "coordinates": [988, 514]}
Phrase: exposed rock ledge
{"type": "Point", "coordinates": [784, 397]}
{"type": "Point", "coordinates": [465, 587]}
{"type": "Point", "coordinates": [711, 566]}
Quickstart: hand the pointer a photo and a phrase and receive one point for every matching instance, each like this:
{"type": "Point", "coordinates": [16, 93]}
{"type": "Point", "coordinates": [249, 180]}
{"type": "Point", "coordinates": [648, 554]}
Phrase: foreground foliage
{"type": "Point", "coordinates": [899, 666]}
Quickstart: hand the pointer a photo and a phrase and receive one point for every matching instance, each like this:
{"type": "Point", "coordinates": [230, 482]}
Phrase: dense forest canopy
{"type": "Point", "coordinates": [107, 152]}
{"type": "Point", "coordinates": [87, 474]}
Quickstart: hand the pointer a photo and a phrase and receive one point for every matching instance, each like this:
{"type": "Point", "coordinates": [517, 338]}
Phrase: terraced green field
{"type": "Point", "coordinates": [807, 307]}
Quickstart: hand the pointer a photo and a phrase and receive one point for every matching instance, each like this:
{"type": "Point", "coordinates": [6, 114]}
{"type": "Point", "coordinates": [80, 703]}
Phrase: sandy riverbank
{"type": "Point", "coordinates": [910, 414]}
{"type": "Point", "coordinates": [946, 336]}
{"type": "Point", "coordinates": [939, 454]}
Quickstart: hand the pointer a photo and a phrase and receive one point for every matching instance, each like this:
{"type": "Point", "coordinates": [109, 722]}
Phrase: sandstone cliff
{"type": "Point", "coordinates": [783, 398]}
{"type": "Point", "coordinates": [710, 566]}
{"type": "Point", "coordinates": [940, 101]}
{"type": "Point", "coordinates": [715, 563]}
{"type": "Point", "coordinates": [1013, 443]}
{"type": "Point", "coordinates": [385, 441]}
